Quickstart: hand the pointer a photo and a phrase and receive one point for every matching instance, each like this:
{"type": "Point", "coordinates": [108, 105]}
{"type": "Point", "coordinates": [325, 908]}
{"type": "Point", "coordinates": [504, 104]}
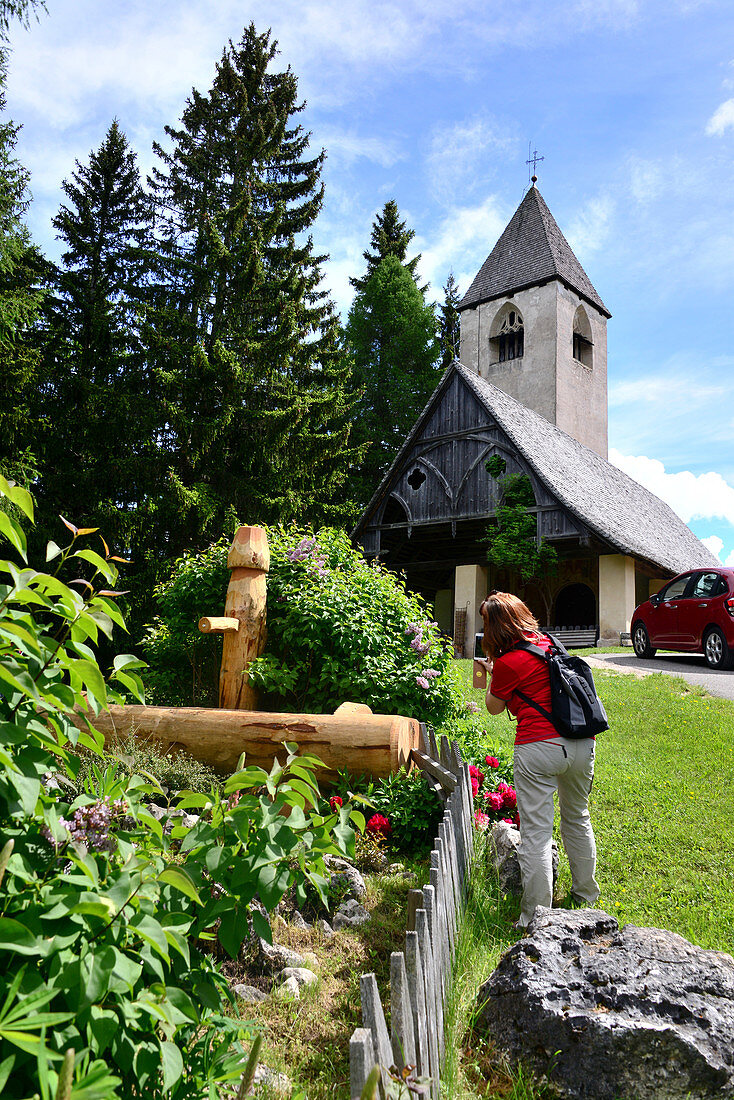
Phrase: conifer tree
{"type": "Point", "coordinates": [20, 301]}
{"type": "Point", "coordinates": [391, 332]}
{"type": "Point", "coordinates": [247, 345]}
{"type": "Point", "coordinates": [390, 237]}
{"type": "Point", "coordinates": [448, 322]}
{"type": "Point", "coordinates": [98, 460]}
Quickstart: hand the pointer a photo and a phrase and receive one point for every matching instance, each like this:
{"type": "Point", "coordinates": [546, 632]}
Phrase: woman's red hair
{"type": "Point", "coordinates": [506, 620]}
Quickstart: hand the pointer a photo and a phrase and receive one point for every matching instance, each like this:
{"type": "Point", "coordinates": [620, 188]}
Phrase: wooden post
{"type": "Point", "coordinates": [243, 622]}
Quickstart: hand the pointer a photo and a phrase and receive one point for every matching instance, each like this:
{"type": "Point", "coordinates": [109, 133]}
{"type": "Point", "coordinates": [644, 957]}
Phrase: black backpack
{"type": "Point", "coordinates": [576, 710]}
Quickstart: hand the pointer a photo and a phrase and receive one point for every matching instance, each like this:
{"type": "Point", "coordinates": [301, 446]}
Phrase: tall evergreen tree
{"type": "Point", "coordinates": [248, 346]}
{"type": "Point", "coordinates": [98, 461]}
{"type": "Point", "coordinates": [391, 332]}
{"type": "Point", "coordinates": [20, 301]}
{"type": "Point", "coordinates": [390, 237]}
{"type": "Point", "coordinates": [448, 322]}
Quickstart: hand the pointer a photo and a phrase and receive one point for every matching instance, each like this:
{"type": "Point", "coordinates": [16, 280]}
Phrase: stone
{"type": "Point", "coordinates": [249, 993]}
{"type": "Point", "coordinates": [350, 915]}
{"type": "Point", "coordinates": [348, 883]}
{"type": "Point", "coordinates": [302, 975]}
{"type": "Point", "coordinates": [277, 1082]}
{"type": "Point", "coordinates": [324, 927]}
{"type": "Point", "coordinates": [288, 990]}
{"type": "Point", "coordinates": [395, 869]}
{"type": "Point", "coordinates": [605, 1013]}
{"type": "Point", "coordinates": [504, 841]}
{"type": "Point", "coordinates": [276, 957]}
{"type": "Point", "coordinates": [299, 921]}
{"type": "Point", "coordinates": [311, 960]}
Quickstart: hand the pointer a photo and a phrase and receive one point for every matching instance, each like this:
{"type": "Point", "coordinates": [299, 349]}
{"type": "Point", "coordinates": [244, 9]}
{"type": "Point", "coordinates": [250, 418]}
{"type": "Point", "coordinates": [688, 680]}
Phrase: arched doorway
{"type": "Point", "coordinates": [575, 608]}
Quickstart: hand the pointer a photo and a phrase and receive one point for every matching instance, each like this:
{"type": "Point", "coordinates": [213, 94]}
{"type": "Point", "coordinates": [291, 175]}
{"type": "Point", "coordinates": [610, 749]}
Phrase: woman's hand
{"type": "Point", "coordinates": [485, 662]}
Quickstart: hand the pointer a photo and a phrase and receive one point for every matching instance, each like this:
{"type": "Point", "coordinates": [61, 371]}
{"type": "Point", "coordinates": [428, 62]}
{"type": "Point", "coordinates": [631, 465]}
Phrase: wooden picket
{"type": "Point", "coordinates": [420, 976]}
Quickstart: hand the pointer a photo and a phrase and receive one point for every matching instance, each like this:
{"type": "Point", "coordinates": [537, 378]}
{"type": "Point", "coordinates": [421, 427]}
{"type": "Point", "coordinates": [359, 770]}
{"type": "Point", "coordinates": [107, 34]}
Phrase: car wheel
{"type": "Point", "coordinates": [641, 641]}
{"type": "Point", "coordinates": [715, 649]}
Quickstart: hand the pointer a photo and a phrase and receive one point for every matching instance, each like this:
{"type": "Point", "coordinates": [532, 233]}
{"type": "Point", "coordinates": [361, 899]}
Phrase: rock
{"type": "Point", "coordinates": [324, 927]}
{"type": "Point", "coordinates": [157, 811]}
{"type": "Point", "coordinates": [311, 960]}
{"type": "Point", "coordinates": [348, 883]}
{"type": "Point", "coordinates": [277, 1082]}
{"type": "Point", "coordinates": [298, 921]}
{"type": "Point", "coordinates": [302, 975]}
{"type": "Point", "coordinates": [395, 869]}
{"type": "Point", "coordinates": [249, 993]}
{"type": "Point", "coordinates": [504, 840]}
{"type": "Point", "coordinates": [288, 990]}
{"type": "Point", "coordinates": [277, 957]}
{"type": "Point", "coordinates": [350, 915]}
{"type": "Point", "coordinates": [608, 1013]}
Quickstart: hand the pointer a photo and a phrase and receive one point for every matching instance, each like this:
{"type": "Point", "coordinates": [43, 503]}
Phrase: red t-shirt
{"type": "Point", "coordinates": [519, 669]}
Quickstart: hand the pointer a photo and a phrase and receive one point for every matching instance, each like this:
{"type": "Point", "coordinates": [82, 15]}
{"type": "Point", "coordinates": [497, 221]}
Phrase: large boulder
{"type": "Point", "coordinates": [610, 1014]}
{"type": "Point", "coordinates": [504, 841]}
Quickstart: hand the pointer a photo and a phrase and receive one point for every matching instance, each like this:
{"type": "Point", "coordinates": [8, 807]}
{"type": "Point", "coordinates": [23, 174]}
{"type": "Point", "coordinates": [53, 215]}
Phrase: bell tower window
{"type": "Point", "coordinates": [583, 345]}
{"type": "Point", "coordinates": [508, 339]}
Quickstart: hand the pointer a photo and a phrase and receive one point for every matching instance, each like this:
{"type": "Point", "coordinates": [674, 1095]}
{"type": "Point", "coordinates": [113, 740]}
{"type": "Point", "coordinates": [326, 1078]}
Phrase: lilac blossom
{"type": "Point", "coordinates": [422, 682]}
{"type": "Point", "coordinates": [90, 825]}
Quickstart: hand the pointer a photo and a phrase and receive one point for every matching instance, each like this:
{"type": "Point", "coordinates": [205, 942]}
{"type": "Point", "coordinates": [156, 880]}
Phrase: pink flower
{"type": "Point", "coordinates": [508, 820]}
{"type": "Point", "coordinates": [472, 707]}
{"type": "Point", "coordinates": [474, 786]}
{"type": "Point", "coordinates": [475, 773]}
{"type": "Point", "coordinates": [379, 824]}
{"type": "Point", "coordinates": [516, 819]}
{"type": "Point", "coordinates": [481, 821]}
{"type": "Point", "coordinates": [494, 802]}
{"type": "Point", "coordinates": [491, 762]}
{"type": "Point", "coordinates": [422, 682]}
{"type": "Point", "coordinates": [334, 803]}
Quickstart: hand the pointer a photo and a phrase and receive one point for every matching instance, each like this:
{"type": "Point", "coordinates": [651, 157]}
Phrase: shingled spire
{"type": "Point", "coordinates": [531, 251]}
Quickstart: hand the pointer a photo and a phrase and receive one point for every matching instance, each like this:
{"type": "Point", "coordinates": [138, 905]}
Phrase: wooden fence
{"type": "Point", "coordinates": [421, 975]}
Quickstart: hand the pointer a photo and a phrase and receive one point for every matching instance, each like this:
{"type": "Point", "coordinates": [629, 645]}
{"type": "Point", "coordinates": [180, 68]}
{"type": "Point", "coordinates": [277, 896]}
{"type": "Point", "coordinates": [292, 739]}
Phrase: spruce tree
{"type": "Point", "coordinates": [20, 301]}
{"type": "Point", "coordinates": [391, 332]}
{"type": "Point", "coordinates": [390, 237]}
{"type": "Point", "coordinates": [98, 461]}
{"type": "Point", "coordinates": [448, 322]}
{"type": "Point", "coordinates": [247, 345]}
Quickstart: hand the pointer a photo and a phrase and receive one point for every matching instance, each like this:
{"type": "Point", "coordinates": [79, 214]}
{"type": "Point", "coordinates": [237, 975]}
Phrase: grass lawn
{"type": "Point", "coordinates": [663, 814]}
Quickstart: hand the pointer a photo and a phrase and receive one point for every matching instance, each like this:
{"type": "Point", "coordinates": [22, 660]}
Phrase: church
{"type": "Point", "coordinates": [530, 387]}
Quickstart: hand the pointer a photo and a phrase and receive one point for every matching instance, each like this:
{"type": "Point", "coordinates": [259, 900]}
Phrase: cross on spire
{"type": "Point", "coordinates": [533, 159]}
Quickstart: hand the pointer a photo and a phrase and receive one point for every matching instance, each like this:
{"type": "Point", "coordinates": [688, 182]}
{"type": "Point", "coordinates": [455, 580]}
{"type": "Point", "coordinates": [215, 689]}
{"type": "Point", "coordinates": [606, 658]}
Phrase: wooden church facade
{"type": "Point", "coordinates": [616, 542]}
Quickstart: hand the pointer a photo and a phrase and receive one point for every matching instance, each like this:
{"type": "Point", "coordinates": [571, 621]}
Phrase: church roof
{"type": "Point", "coordinates": [605, 499]}
{"type": "Point", "coordinates": [531, 250]}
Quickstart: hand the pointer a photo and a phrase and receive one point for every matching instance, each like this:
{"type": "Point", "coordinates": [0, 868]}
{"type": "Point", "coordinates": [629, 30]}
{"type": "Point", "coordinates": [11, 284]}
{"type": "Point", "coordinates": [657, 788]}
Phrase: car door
{"type": "Point", "coordinates": [695, 610]}
{"type": "Point", "coordinates": [663, 628]}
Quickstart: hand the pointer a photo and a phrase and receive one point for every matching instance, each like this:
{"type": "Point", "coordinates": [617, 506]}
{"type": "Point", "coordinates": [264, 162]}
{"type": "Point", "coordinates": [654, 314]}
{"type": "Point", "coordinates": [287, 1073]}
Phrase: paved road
{"type": "Point", "coordinates": [690, 666]}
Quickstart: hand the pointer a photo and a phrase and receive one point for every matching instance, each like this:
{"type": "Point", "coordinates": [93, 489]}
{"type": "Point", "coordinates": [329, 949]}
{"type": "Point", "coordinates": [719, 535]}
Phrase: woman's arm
{"type": "Point", "coordinates": [493, 704]}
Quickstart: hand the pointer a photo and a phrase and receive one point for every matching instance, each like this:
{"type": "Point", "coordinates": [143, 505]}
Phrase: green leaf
{"type": "Point", "coordinates": [14, 936]}
{"type": "Point", "coordinates": [17, 495]}
{"type": "Point", "coordinates": [52, 550]}
{"type": "Point", "coordinates": [14, 533]}
{"type": "Point", "coordinates": [181, 880]}
{"type": "Point", "coordinates": [172, 1065]}
{"type": "Point", "coordinates": [91, 677]}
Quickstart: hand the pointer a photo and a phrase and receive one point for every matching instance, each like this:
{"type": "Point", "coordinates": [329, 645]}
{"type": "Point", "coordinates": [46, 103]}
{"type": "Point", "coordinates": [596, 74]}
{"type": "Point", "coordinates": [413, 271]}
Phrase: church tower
{"type": "Point", "coordinates": [533, 325]}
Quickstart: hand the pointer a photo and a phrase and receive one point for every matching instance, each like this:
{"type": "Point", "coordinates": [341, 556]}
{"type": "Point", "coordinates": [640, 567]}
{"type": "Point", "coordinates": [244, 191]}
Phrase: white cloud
{"type": "Point", "coordinates": [349, 147]}
{"type": "Point", "coordinates": [715, 545]}
{"type": "Point", "coordinates": [729, 560]}
{"type": "Point", "coordinates": [591, 227]}
{"type": "Point", "coordinates": [722, 119]}
{"type": "Point", "coordinates": [692, 496]}
{"type": "Point", "coordinates": [468, 233]}
{"type": "Point", "coordinates": [458, 155]}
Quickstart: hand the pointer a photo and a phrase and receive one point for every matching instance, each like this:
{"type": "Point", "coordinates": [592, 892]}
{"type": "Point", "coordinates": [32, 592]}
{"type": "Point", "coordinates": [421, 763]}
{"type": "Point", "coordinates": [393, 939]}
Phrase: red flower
{"type": "Point", "coordinates": [509, 799]}
{"type": "Point", "coordinates": [379, 824]}
{"type": "Point", "coordinates": [474, 786]}
{"type": "Point", "coordinates": [334, 803]}
{"type": "Point", "coordinates": [475, 773]}
{"type": "Point", "coordinates": [491, 762]}
{"type": "Point", "coordinates": [516, 819]}
{"type": "Point", "coordinates": [494, 801]}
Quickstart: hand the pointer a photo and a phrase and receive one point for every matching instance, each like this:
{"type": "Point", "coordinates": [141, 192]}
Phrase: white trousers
{"type": "Point", "coordinates": [541, 768]}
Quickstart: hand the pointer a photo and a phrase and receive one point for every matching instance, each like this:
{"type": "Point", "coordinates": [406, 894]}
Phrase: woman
{"type": "Point", "coordinates": [543, 762]}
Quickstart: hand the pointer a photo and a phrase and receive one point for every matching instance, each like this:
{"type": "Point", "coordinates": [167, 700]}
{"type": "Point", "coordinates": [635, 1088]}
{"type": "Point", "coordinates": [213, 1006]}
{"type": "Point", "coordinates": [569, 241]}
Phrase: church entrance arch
{"type": "Point", "coordinates": [575, 608]}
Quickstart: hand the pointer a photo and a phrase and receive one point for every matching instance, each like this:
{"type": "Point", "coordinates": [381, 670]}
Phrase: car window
{"type": "Point", "coordinates": [722, 587]}
{"type": "Point", "coordinates": [705, 586]}
{"type": "Point", "coordinates": [677, 587]}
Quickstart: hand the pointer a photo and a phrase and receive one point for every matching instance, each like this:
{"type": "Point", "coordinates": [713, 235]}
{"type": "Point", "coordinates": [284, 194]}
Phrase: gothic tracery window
{"type": "Point", "coordinates": [509, 340]}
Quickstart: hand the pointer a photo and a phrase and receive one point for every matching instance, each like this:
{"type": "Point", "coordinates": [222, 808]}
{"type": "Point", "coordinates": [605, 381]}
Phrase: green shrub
{"type": "Point", "coordinates": [174, 771]}
{"type": "Point", "coordinates": [105, 921]}
{"type": "Point", "coordinates": [338, 628]}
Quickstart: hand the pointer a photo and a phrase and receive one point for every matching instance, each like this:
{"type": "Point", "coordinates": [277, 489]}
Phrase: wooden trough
{"type": "Point", "coordinates": [353, 739]}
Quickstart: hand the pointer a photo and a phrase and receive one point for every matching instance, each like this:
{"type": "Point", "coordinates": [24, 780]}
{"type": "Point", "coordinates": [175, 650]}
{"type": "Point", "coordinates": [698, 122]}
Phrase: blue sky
{"type": "Point", "coordinates": [433, 103]}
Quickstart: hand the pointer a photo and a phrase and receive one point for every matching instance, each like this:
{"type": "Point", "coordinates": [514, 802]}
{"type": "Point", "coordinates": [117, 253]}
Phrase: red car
{"type": "Point", "coordinates": [693, 613]}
